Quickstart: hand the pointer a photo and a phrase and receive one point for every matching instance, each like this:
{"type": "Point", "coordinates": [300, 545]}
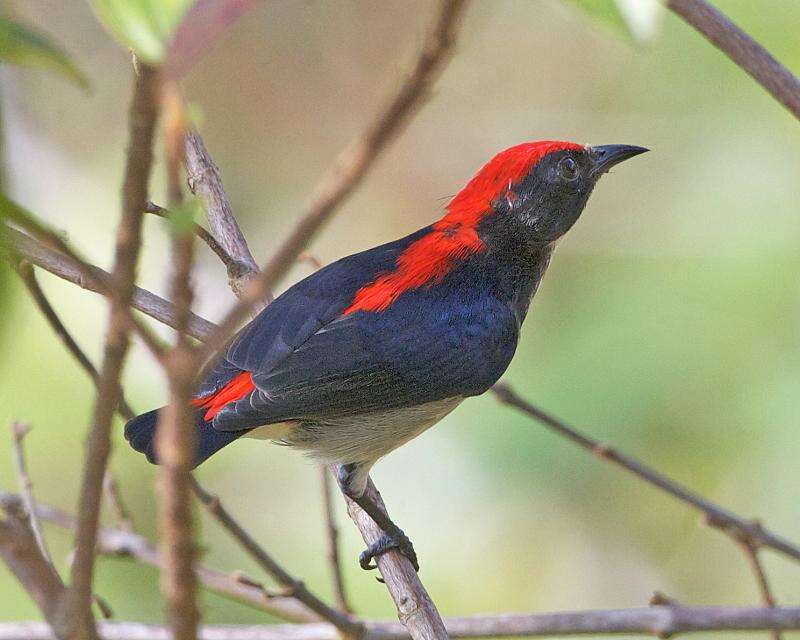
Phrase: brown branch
{"type": "Point", "coordinates": [205, 182]}
{"type": "Point", "coordinates": [351, 165]}
{"type": "Point", "coordinates": [200, 232]}
{"type": "Point", "coordinates": [176, 437]}
{"type": "Point", "coordinates": [751, 553]}
{"type": "Point", "coordinates": [660, 621]}
{"type": "Point", "coordinates": [64, 267]}
{"type": "Point", "coordinates": [742, 49]}
{"type": "Point", "coordinates": [52, 240]}
{"type": "Point", "coordinates": [716, 516]}
{"type": "Point", "coordinates": [415, 609]}
{"type": "Point", "coordinates": [36, 574]}
{"type": "Point", "coordinates": [28, 277]}
{"type": "Point", "coordinates": [18, 432]}
{"type": "Point", "coordinates": [112, 493]}
{"type": "Point", "coordinates": [143, 116]}
{"type": "Point", "coordinates": [333, 541]}
{"type": "Point", "coordinates": [126, 544]}
{"type": "Point", "coordinates": [348, 625]}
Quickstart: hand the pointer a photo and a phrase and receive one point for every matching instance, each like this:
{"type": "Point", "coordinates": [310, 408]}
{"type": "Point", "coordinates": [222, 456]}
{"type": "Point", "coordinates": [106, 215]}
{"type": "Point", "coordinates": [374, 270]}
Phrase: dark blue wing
{"type": "Point", "coordinates": [299, 313]}
{"type": "Point", "coordinates": [431, 344]}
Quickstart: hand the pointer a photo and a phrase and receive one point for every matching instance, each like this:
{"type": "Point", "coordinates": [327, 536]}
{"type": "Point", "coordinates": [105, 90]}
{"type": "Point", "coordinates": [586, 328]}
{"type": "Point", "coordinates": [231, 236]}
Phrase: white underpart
{"type": "Point", "coordinates": [360, 438]}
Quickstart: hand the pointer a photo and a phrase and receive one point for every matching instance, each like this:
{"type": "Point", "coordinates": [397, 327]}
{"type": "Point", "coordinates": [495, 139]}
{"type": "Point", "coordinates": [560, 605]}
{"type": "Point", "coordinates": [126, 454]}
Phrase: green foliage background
{"type": "Point", "coordinates": [668, 323]}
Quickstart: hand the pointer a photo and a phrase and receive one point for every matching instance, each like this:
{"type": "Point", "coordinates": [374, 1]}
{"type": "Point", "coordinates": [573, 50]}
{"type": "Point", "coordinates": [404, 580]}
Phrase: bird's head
{"type": "Point", "coordinates": [534, 192]}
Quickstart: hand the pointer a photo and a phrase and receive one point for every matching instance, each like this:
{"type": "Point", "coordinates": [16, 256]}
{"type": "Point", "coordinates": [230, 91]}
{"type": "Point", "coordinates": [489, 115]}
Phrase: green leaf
{"type": "Point", "coordinates": [23, 46]}
{"type": "Point", "coordinates": [637, 19]}
{"type": "Point", "coordinates": [181, 218]}
{"type": "Point", "coordinates": [145, 26]}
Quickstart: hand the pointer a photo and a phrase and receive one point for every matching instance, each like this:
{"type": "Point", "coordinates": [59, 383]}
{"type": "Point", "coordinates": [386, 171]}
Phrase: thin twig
{"type": "Point", "coordinates": [120, 543]}
{"type": "Point", "coordinates": [31, 283]}
{"type": "Point", "coordinates": [751, 553]}
{"type": "Point", "coordinates": [112, 493]}
{"type": "Point", "coordinates": [742, 49]}
{"type": "Point", "coordinates": [351, 165]}
{"type": "Point", "coordinates": [18, 432]}
{"type": "Point", "coordinates": [206, 183]}
{"type": "Point", "coordinates": [716, 516]}
{"type": "Point", "coordinates": [348, 625]}
{"type": "Point", "coordinates": [200, 232]}
{"type": "Point", "coordinates": [92, 276]}
{"type": "Point", "coordinates": [660, 621]}
{"type": "Point", "coordinates": [332, 530]}
{"type": "Point", "coordinates": [143, 116]}
{"type": "Point", "coordinates": [64, 267]}
{"type": "Point", "coordinates": [176, 433]}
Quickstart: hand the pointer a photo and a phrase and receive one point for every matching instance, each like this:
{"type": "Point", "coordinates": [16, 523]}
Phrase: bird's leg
{"type": "Point", "coordinates": [352, 479]}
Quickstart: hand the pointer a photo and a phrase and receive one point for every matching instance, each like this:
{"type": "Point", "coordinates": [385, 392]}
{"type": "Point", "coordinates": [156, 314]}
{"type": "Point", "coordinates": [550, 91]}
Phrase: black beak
{"type": "Point", "coordinates": [609, 155]}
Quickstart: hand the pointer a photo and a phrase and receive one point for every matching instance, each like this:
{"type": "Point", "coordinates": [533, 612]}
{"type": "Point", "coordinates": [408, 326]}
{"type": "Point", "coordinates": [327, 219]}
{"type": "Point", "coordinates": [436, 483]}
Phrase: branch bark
{"type": "Point", "coordinates": [662, 621]}
{"type": "Point", "coordinates": [781, 83]}
{"type": "Point", "coordinates": [143, 116]}
{"type": "Point", "coordinates": [206, 183]}
{"type": "Point", "coordinates": [333, 541]}
{"type": "Point", "coordinates": [176, 437]}
{"type": "Point", "coordinates": [716, 516]}
{"type": "Point", "coordinates": [20, 551]}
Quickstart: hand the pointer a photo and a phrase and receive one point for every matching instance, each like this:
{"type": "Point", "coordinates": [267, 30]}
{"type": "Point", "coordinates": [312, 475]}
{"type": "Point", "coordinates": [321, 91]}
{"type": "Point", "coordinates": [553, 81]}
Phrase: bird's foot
{"type": "Point", "coordinates": [394, 540]}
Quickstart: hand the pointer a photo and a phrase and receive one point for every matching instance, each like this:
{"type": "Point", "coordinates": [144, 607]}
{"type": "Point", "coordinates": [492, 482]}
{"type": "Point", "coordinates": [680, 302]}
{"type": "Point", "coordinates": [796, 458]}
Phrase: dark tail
{"type": "Point", "coordinates": [141, 433]}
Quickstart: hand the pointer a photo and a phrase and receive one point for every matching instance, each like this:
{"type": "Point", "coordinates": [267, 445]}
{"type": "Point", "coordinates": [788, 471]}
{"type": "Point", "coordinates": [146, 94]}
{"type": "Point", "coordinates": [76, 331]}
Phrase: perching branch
{"type": "Point", "coordinates": [716, 516]}
{"type": "Point", "coordinates": [662, 621]}
{"type": "Point", "coordinates": [742, 49]}
{"type": "Point", "coordinates": [751, 553]}
{"type": "Point", "coordinates": [351, 165]}
{"type": "Point", "coordinates": [143, 116]}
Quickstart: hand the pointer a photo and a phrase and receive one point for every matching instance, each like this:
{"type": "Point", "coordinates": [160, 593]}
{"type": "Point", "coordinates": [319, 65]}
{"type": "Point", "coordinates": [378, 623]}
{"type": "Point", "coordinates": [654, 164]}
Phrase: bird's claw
{"type": "Point", "coordinates": [394, 540]}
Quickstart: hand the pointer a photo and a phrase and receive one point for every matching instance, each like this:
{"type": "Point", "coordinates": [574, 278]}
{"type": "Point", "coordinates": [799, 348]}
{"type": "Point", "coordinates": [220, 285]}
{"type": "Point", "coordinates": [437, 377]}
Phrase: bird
{"type": "Point", "coordinates": [371, 350]}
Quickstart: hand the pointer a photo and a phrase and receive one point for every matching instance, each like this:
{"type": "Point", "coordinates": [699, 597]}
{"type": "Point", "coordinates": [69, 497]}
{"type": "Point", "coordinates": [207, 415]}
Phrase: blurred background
{"type": "Point", "coordinates": [668, 324]}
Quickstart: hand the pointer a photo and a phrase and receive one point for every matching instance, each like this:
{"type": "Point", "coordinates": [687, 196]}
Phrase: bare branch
{"type": "Point", "coordinates": [28, 277]}
{"type": "Point", "coordinates": [200, 232]}
{"type": "Point", "coordinates": [205, 182]}
{"type": "Point", "coordinates": [751, 553]}
{"type": "Point", "coordinates": [143, 116]}
{"type": "Point", "coordinates": [351, 165]}
{"type": "Point", "coordinates": [18, 432]}
{"type": "Point", "coordinates": [112, 494]}
{"type": "Point", "coordinates": [126, 544]}
{"type": "Point", "coordinates": [660, 621]}
{"type": "Point", "coordinates": [176, 437]}
{"type": "Point", "coordinates": [22, 554]}
{"type": "Point", "coordinates": [716, 516]}
{"type": "Point", "coordinates": [333, 541]}
{"type": "Point", "coordinates": [415, 609]}
{"type": "Point", "coordinates": [742, 49]}
{"type": "Point", "coordinates": [62, 266]}
{"type": "Point", "coordinates": [348, 625]}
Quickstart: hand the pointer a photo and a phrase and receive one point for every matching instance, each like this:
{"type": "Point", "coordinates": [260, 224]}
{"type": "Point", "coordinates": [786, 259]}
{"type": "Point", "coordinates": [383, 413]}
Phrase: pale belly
{"type": "Point", "coordinates": [360, 438]}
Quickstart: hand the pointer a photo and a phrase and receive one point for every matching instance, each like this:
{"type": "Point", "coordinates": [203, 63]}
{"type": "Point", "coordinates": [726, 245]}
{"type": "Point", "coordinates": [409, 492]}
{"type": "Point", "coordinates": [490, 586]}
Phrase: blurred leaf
{"type": "Point", "coordinates": [181, 218]}
{"type": "Point", "coordinates": [637, 19]}
{"type": "Point", "coordinates": [23, 46]}
{"type": "Point", "coordinates": [146, 26]}
{"type": "Point", "coordinates": [643, 17]}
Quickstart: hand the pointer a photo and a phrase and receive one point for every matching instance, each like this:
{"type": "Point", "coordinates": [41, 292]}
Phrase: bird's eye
{"type": "Point", "coordinates": [568, 169]}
